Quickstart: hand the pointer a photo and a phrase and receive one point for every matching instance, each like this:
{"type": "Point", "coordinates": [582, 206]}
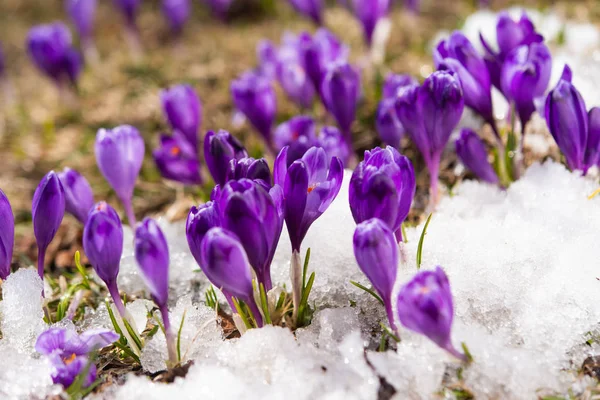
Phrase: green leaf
{"type": "Point", "coordinates": [179, 336]}
{"type": "Point", "coordinates": [127, 351]}
{"type": "Point", "coordinates": [82, 271]}
{"type": "Point", "coordinates": [133, 334]}
{"type": "Point", "coordinates": [113, 320]}
{"type": "Point", "coordinates": [467, 352]}
{"type": "Point", "coordinates": [370, 291]}
{"type": "Point", "coordinates": [264, 304]}
{"type": "Point", "coordinates": [240, 310]}
{"type": "Point", "coordinates": [280, 301]}
{"type": "Point", "coordinates": [304, 300]}
{"type": "Point", "coordinates": [403, 230]}
{"type": "Point", "coordinates": [389, 332]}
{"type": "Point", "coordinates": [421, 240]}
{"type": "Point", "coordinates": [305, 268]}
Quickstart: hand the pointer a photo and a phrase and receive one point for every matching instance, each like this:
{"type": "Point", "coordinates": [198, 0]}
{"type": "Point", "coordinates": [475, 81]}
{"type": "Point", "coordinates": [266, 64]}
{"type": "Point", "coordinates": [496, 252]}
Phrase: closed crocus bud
{"type": "Point", "coordinates": [592, 149]}
{"type": "Point", "coordinates": [103, 246]}
{"type": "Point", "coordinates": [299, 133]}
{"type": "Point", "coordinates": [79, 197]}
{"type": "Point", "coordinates": [340, 90]}
{"type": "Point", "coordinates": [425, 306]}
{"type": "Point", "coordinates": [183, 110]}
{"type": "Point", "coordinates": [255, 97]}
{"type": "Point", "coordinates": [82, 13]}
{"type": "Point", "coordinates": [393, 82]}
{"type": "Point", "coordinates": [250, 168]}
{"type": "Point", "coordinates": [199, 221]}
{"type": "Point", "coordinates": [525, 76]}
{"type": "Point", "coordinates": [119, 155]}
{"type": "Point", "coordinates": [332, 141]}
{"type": "Point", "coordinates": [387, 123]}
{"type": "Point", "coordinates": [7, 235]}
{"type": "Point", "coordinates": [472, 153]}
{"type": "Point", "coordinates": [50, 48]}
{"type": "Point", "coordinates": [376, 253]}
{"type": "Point", "coordinates": [47, 212]}
{"type": "Point", "coordinates": [266, 53]}
{"type": "Point", "coordinates": [247, 210]}
{"type": "Point", "coordinates": [429, 113]}
{"type": "Point", "coordinates": [219, 149]}
{"type": "Point", "coordinates": [152, 255]}
{"type": "Point", "coordinates": [313, 9]}
{"type": "Point", "coordinates": [224, 262]}
{"type": "Point", "coordinates": [383, 187]}
{"type": "Point", "coordinates": [176, 12]}
{"type": "Point", "coordinates": [291, 72]}
{"type": "Point", "coordinates": [176, 160]}
{"type": "Point", "coordinates": [369, 12]}
{"type": "Point", "coordinates": [324, 49]}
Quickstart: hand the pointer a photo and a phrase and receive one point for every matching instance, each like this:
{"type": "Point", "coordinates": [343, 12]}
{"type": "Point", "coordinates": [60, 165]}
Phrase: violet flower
{"type": "Point", "coordinates": [376, 253]}
{"type": "Point", "coordinates": [247, 210]}
{"type": "Point", "coordinates": [47, 212]}
{"type": "Point", "coordinates": [2, 64]}
{"type": "Point", "coordinates": [129, 9]}
{"type": "Point", "coordinates": [176, 160]}
{"type": "Point", "coordinates": [255, 97]}
{"type": "Point", "coordinates": [291, 72]}
{"type": "Point", "coordinates": [50, 48]}
{"type": "Point", "coordinates": [250, 168]}
{"type": "Point", "coordinates": [152, 256]}
{"type": "Point", "coordinates": [69, 352]}
{"type": "Point", "coordinates": [7, 235]}
{"type": "Point", "coordinates": [119, 155]}
{"type": "Point", "coordinates": [220, 8]}
{"type": "Point", "coordinates": [82, 14]}
{"type": "Point", "coordinates": [576, 132]}
{"type": "Point", "coordinates": [323, 49]}
{"type": "Point", "coordinates": [199, 221]}
{"type": "Point", "coordinates": [386, 120]}
{"type": "Point", "coordinates": [394, 82]}
{"type": "Point", "coordinates": [219, 149]}
{"type": "Point", "coordinates": [333, 142]}
{"type": "Point", "coordinates": [176, 12]}
{"type": "Point", "coordinates": [369, 13]}
{"type": "Point", "coordinates": [299, 133]}
{"type": "Point", "coordinates": [266, 53]}
{"type": "Point", "coordinates": [425, 306]}
{"type": "Point", "coordinates": [472, 153]}
{"type": "Point", "coordinates": [225, 264]}
{"type": "Point", "coordinates": [79, 198]}
{"type": "Point", "coordinates": [103, 246]}
{"type": "Point", "coordinates": [383, 186]}
{"type": "Point", "coordinates": [340, 90]}
{"type": "Point", "coordinates": [429, 113]}
{"type": "Point", "coordinates": [183, 110]}
{"type": "Point", "coordinates": [525, 76]}
{"type": "Point", "coordinates": [313, 9]}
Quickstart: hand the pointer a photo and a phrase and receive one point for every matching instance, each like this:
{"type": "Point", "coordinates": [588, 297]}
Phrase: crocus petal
{"type": "Point", "coordinates": [471, 151]}
{"type": "Point", "coordinates": [152, 255]}
{"type": "Point", "coordinates": [200, 220]}
{"type": "Point", "coordinates": [7, 235]}
{"type": "Point", "coordinates": [103, 241]}
{"type": "Point", "coordinates": [183, 110]}
{"type": "Point", "coordinates": [48, 209]}
{"type": "Point", "coordinates": [79, 197]}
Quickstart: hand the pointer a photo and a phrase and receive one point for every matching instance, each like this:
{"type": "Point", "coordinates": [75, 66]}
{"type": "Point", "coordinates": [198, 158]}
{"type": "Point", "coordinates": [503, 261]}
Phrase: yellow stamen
{"type": "Point", "coordinates": [175, 151]}
{"type": "Point", "coordinates": [69, 359]}
{"type": "Point", "coordinates": [591, 196]}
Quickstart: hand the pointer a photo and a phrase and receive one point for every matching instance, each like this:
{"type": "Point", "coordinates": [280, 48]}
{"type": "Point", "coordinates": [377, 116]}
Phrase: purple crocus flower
{"type": "Point", "coordinates": [324, 49]}
{"type": "Point", "coordinates": [176, 160]}
{"type": "Point", "coordinates": [183, 110]}
{"type": "Point", "coordinates": [220, 8]}
{"type": "Point", "coordinates": [340, 90]}
{"type": "Point", "coordinates": [47, 212]}
{"type": "Point", "coordinates": [7, 235]}
{"type": "Point", "coordinates": [247, 210]}
{"type": "Point", "coordinates": [425, 306]}
{"type": "Point", "coordinates": [291, 72]}
{"type": "Point", "coordinates": [332, 141]}
{"type": "Point", "coordinates": [313, 9]}
{"type": "Point", "coordinates": [68, 352]}
{"type": "Point", "coordinates": [576, 132]}
{"type": "Point", "coordinates": [50, 48]}
{"type": "Point", "coordinates": [176, 12]}
{"type": "Point", "coordinates": [2, 64]}
{"type": "Point", "coordinates": [152, 256]}
{"type": "Point", "coordinates": [472, 153]}
{"type": "Point", "coordinates": [225, 264]}
{"type": "Point", "coordinates": [266, 53]}
{"type": "Point", "coordinates": [219, 149]}
{"type": "Point", "coordinates": [250, 168]}
{"type": "Point", "coordinates": [393, 82]}
{"type": "Point", "coordinates": [119, 155]}
{"type": "Point", "coordinates": [383, 186]}
{"type": "Point", "coordinates": [458, 54]}
{"type": "Point", "coordinates": [103, 246]}
{"type": "Point", "coordinates": [525, 76]}
{"type": "Point", "coordinates": [299, 133]}
{"type": "Point", "coordinates": [376, 253]}
{"type": "Point", "coordinates": [82, 13]}
{"type": "Point", "coordinates": [429, 113]}
{"type": "Point", "coordinates": [79, 197]}
{"type": "Point", "coordinates": [387, 123]}
{"type": "Point", "coordinates": [255, 97]}
{"type": "Point", "coordinates": [129, 10]}
{"type": "Point", "coordinates": [199, 221]}
{"type": "Point", "coordinates": [369, 13]}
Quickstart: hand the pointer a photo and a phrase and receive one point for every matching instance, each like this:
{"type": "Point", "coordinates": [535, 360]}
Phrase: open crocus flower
{"type": "Point", "coordinates": [425, 306]}
{"type": "Point", "coordinates": [383, 187]}
{"type": "Point", "coordinates": [299, 134]}
{"type": "Point", "coordinates": [472, 153]}
{"type": "Point", "coordinates": [176, 160]}
{"type": "Point", "coordinates": [7, 235]}
{"type": "Point", "coordinates": [79, 197]}
{"type": "Point", "coordinates": [291, 71]}
{"type": "Point", "coordinates": [183, 110]}
{"type": "Point", "coordinates": [311, 8]}
{"type": "Point", "coordinates": [69, 352]}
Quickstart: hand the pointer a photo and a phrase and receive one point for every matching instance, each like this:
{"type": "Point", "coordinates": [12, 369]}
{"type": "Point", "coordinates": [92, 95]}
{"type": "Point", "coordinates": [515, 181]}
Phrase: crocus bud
{"type": "Point", "coordinates": [226, 266]}
{"type": "Point", "coordinates": [219, 149]}
{"type": "Point", "coordinates": [313, 9]}
{"type": "Point", "coordinates": [176, 160]}
{"type": "Point", "coordinates": [7, 235]}
{"type": "Point", "coordinates": [79, 197]}
{"type": "Point", "coordinates": [47, 212]}
{"type": "Point", "coordinates": [383, 187]}
{"type": "Point", "coordinates": [425, 306]}
{"type": "Point", "coordinates": [199, 221]}
{"type": "Point", "coordinates": [393, 82]}
{"type": "Point", "coordinates": [299, 134]}
{"type": "Point", "coordinates": [254, 96]}
{"type": "Point", "coordinates": [129, 10]}
{"type": "Point", "coordinates": [183, 110]}
{"type": "Point", "coordinates": [332, 141]}
{"type": "Point", "coordinates": [220, 8]}
{"type": "Point", "coordinates": [525, 76]}
{"type": "Point", "coordinates": [376, 253]}
{"type": "Point", "coordinates": [250, 168]}
{"type": "Point", "coordinates": [369, 13]}
{"type": "Point", "coordinates": [429, 113]}
{"type": "Point", "coordinates": [82, 13]}
{"type": "Point", "coordinates": [291, 72]}
{"type": "Point", "coordinates": [247, 210]}
{"type": "Point", "coordinates": [309, 187]}
{"type": "Point", "coordinates": [387, 123]}
{"type": "Point", "coordinates": [266, 53]}
{"type": "Point", "coordinates": [176, 12]}
{"type": "Point", "coordinates": [152, 255]}
{"type": "Point", "coordinates": [592, 149]}
{"type": "Point", "coordinates": [50, 49]}
{"type": "Point", "coordinates": [340, 90]}
{"type": "Point", "coordinates": [324, 49]}
{"type": "Point", "coordinates": [119, 155]}
{"type": "Point", "coordinates": [472, 153]}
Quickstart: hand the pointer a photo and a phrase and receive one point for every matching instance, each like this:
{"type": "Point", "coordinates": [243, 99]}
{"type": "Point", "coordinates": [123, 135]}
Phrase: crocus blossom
{"type": "Point", "coordinates": [176, 160]}
{"type": "Point", "coordinates": [250, 168]}
{"type": "Point", "coordinates": [299, 133]}
{"type": "Point", "coordinates": [291, 70]}
{"type": "Point", "coordinates": [313, 9]}
{"type": "Point", "coordinates": [79, 197]}
{"type": "Point", "coordinates": [176, 12]}
{"type": "Point", "coordinates": [7, 235]}
{"type": "Point", "coordinates": [369, 13]}
{"type": "Point", "coordinates": [341, 90]}
{"type": "Point", "coordinates": [82, 13]}
{"type": "Point", "coordinates": [472, 153]}
{"type": "Point", "coordinates": [219, 149]}
{"type": "Point", "coordinates": [323, 49]}
{"type": "Point", "coordinates": [183, 110]}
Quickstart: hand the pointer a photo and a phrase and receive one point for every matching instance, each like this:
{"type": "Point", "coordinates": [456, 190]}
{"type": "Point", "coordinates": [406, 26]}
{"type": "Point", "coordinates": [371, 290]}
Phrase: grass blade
{"type": "Point", "coordinates": [179, 336]}
{"type": "Point", "coordinates": [421, 240]}
{"type": "Point", "coordinates": [370, 291]}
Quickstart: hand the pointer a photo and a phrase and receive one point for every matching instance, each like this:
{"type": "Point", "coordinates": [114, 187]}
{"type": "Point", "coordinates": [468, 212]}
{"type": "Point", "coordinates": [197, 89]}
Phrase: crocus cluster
{"type": "Point", "coordinates": [575, 130]}
{"type": "Point", "coordinates": [388, 124]}
{"type": "Point", "coordinates": [69, 353]}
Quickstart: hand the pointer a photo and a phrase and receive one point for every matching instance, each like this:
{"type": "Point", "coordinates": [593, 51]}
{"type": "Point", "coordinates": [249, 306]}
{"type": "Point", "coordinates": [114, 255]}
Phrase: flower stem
{"type": "Point", "coordinates": [171, 349]}
{"type": "Point", "coordinates": [40, 263]}
{"type": "Point", "coordinates": [114, 293]}
{"type": "Point", "coordinates": [434, 171]}
{"type": "Point", "coordinates": [128, 206]}
{"type": "Point", "coordinates": [296, 278]}
{"type": "Point", "coordinates": [255, 312]}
